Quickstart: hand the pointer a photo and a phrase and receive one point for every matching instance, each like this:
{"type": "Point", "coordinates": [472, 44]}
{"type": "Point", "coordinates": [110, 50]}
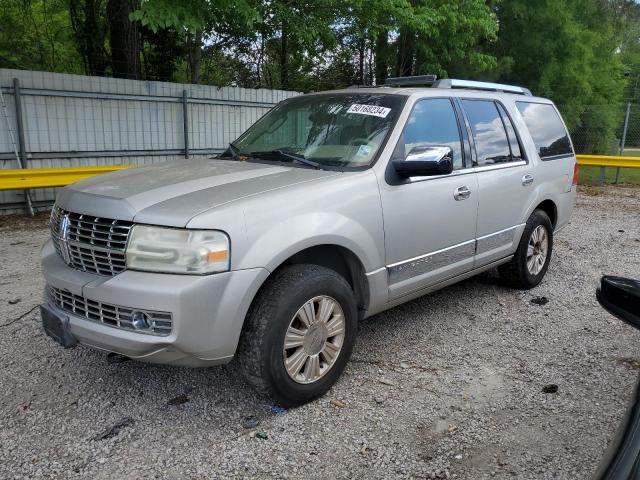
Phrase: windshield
{"type": "Point", "coordinates": [341, 130]}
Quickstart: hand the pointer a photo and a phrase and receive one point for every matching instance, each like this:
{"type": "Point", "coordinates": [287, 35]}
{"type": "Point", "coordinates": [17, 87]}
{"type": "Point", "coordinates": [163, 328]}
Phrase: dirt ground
{"type": "Point", "coordinates": [474, 381]}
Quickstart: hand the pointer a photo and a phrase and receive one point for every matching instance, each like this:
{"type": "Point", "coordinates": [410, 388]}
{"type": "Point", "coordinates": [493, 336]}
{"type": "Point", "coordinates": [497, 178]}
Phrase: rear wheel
{"type": "Point", "coordinates": [531, 260]}
{"type": "Point", "coordinates": [299, 334]}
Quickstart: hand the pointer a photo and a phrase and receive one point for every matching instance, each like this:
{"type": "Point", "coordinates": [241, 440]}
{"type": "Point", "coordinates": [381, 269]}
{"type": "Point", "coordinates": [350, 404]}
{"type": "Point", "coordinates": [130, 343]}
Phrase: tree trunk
{"type": "Point", "coordinates": [406, 51]}
{"type": "Point", "coordinates": [260, 61]}
{"type": "Point", "coordinates": [361, 61]}
{"type": "Point", "coordinates": [89, 27]}
{"type": "Point", "coordinates": [382, 57]}
{"type": "Point", "coordinates": [195, 56]}
{"type": "Point", "coordinates": [284, 59]}
{"type": "Point", "coordinates": [124, 38]}
{"type": "Point", "coordinates": [370, 74]}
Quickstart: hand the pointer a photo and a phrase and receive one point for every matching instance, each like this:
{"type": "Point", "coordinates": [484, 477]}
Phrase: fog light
{"type": "Point", "coordinates": [140, 320]}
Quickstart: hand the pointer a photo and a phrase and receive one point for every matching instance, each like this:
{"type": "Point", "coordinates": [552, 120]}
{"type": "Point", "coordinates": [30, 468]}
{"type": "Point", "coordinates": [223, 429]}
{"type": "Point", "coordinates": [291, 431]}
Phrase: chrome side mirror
{"type": "Point", "coordinates": [423, 161]}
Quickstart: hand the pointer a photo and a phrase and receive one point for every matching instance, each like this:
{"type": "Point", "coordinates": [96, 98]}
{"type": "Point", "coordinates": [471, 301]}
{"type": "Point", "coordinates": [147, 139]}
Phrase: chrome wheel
{"type": "Point", "coordinates": [314, 339]}
{"type": "Point", "coordinates": [537, 250]}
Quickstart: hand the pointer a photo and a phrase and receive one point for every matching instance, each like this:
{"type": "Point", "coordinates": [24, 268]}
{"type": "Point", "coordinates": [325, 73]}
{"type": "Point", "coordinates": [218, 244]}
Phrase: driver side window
{"type": "Point", "coordinates": [433, 123]}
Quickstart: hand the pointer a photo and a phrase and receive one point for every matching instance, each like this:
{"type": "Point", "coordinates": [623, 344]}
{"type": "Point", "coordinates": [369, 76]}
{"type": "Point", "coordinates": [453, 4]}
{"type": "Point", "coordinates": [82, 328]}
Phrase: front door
{"type": "Point", "coordinates": [429, 222]}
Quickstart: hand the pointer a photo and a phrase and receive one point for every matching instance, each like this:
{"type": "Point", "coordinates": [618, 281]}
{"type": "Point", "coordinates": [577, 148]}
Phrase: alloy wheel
{"type": "Point", "coordinates": [537, 250]}
{"type": "Point", "coordinates": [314, 339]}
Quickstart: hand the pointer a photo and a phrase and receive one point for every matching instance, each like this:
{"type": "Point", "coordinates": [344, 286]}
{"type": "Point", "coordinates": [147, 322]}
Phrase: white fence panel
{"type": "Point", "coordinates": [75, 120]}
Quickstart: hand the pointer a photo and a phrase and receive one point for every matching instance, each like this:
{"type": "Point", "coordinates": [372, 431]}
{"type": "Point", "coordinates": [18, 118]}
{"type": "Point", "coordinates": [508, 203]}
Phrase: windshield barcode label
{"type": "Point", "coordinates": [369, 110]}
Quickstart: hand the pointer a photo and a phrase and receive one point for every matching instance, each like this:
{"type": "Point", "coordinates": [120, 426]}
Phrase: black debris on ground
{"type": "Point", "coordinates": [115, 429]}
{"type": "Point", "coordinates": [540, 301]}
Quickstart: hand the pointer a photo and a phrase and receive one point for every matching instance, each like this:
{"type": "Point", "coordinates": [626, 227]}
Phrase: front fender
{"type": "Point", "coordinates": [271, 247]}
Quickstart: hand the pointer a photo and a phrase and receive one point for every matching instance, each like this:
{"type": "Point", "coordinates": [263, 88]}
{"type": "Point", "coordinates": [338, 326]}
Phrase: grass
{"type": "Point", "coordinates": [590, 175]}
{"type": "Point", "coordinates": [631, 152]}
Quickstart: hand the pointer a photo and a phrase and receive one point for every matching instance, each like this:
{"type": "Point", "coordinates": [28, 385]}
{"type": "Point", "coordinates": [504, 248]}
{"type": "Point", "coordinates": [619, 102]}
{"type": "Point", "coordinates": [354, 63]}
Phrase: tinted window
{"type": "Point", "coordinates": [546, 128]}
{"type": "Point", "coordinates": [492, 144]}
{"type": "Point", "coordinates": [511, 133]}
{"type": "Point", "coordinates": [433, 123]}
{"type": "Point", "coordinates": [343, 130]}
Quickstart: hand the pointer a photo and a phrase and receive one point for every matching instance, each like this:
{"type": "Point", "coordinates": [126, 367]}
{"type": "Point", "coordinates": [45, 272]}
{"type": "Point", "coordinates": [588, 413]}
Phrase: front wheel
{"type": "Point", "coordinates": [299, 334]}
{"type": "Point", "coordinates": [531, 260]}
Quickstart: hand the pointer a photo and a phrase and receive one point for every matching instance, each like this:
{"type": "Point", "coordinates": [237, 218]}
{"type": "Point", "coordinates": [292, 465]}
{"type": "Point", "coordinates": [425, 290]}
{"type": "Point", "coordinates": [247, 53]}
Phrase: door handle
{"type": "Point", "coordinates": [461, 193]}
{"type": "Point", "coordinates": [527, 180]}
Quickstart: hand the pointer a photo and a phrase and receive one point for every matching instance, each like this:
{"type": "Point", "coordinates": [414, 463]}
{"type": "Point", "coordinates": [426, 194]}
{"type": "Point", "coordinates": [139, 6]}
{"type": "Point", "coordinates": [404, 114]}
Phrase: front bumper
{"type": "Point", "coordinates": [208, 311]}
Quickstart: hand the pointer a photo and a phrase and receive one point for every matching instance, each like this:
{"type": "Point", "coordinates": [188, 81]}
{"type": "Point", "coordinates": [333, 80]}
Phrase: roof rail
{"type": "Point", "coordinates": [411, 81]}
{"type": "Point", "coordinates": [496, 87]}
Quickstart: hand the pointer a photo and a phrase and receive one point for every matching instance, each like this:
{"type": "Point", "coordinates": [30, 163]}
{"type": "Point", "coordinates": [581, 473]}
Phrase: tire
{"type": "Point", "coordinates": [525, 272]}
{"type": "Point", "coordinates": [292, 297]}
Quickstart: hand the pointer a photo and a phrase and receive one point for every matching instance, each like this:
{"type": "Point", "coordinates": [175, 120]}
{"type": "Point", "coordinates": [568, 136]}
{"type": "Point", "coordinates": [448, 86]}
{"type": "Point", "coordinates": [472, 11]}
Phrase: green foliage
{"type": "Point", "coordinates": [584, 54]}
{"type": "Point", "coordinates": [568, 51]}
{"type": "Point", "coordinates": [194, 15]}
{"type": "Point", "coordinates": [449, 35]}
{"type": "Point", "coordinates": [37, 35]}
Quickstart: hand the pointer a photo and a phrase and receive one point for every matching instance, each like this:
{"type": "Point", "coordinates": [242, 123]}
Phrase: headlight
{"type": "Point", "coordinates": [176, 250]}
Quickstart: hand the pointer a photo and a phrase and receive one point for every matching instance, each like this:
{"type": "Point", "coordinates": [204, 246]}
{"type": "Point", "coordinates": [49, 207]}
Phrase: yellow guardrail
{"type": "Point", "coordinates": [608, 161]}
{"type": "Point", "coordinates": [18, 179]}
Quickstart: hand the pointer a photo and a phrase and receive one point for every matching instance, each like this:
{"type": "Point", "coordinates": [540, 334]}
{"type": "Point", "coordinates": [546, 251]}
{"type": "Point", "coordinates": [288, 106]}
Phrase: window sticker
{"type": "Point", "coordinates": [364, 150]}
{"type": "Point", "coordinates": [374, 110]}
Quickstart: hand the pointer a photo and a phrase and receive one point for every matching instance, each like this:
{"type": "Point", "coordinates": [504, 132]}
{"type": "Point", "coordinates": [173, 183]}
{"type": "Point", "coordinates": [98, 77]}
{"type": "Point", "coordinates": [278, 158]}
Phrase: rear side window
{"type": "Point", "coordinates": [549, 135]}
{"type": "Point", "coordinates": [489, 135]}
{"type": "Point", "coordinates": [511, 133]}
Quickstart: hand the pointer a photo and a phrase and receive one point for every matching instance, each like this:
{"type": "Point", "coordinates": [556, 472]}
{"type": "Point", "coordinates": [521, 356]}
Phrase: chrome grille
{"type": "Point", "coordinates": [107, 314]}
{"type": "Point", "coordinates": [91, 244]}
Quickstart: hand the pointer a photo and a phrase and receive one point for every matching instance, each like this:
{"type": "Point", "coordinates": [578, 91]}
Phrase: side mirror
{"type": "Point", "coordinates": [423, 161]}
{"type": "Point", "coordinates": [621, 297]}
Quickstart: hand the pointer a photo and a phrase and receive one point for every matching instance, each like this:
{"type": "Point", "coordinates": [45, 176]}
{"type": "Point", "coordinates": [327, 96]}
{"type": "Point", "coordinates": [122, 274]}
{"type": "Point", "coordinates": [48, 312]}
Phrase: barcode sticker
{"type": "Point", "coordinates": [374, 110]}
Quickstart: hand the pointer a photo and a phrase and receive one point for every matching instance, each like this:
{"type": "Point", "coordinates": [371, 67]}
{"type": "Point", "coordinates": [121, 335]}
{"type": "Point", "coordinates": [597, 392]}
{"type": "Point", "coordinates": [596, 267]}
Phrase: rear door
{"type": "Point", "coordinates": [505, 179]}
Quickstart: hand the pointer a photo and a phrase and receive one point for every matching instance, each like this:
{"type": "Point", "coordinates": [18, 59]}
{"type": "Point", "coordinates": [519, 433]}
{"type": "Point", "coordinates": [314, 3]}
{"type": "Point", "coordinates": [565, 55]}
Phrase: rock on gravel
{"type": "Point", "coordinates": [448, 386]}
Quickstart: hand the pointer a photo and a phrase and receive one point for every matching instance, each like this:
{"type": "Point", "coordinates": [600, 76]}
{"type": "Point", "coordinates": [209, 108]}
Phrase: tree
{"type": "Point", "coordinates": [198, 21]}
{"type": "Point", "coordinates": [90, 28]}
{"type": "Point", "coordinates": [37, 35]}
{"type": "Point", "coordinates": [124, 38]}
{"type": "Point", "coordinates": [409, 37]}
{"type": "Point", "coordinates": [567, 51]}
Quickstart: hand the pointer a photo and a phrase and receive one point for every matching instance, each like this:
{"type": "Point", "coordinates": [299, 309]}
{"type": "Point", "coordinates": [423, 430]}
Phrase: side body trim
{"type": "Point", "coordinates": [413, 267]}
{"type": "Point", "coordinates": [432, 288]}
{"type": "Point", "coordinates": [429, 262]}
{"type": "Point", "coordinates": [496, 239]}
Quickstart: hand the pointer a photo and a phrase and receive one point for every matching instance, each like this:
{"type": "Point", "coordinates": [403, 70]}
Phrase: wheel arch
{"type": "Point", "coordinates": [338, 258]}
{"type": "Point", "coordinates": [550, 208]}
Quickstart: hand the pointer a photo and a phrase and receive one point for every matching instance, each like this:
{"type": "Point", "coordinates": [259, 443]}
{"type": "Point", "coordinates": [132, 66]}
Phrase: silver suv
{"type": "Point", "coordinates": [331, 208]}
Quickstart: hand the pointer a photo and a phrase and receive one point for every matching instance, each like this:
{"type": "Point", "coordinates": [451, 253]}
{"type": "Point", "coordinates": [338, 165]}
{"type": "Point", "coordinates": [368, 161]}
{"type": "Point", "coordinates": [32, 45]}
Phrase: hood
{"type": "Point", "coordinates": [174, 192]}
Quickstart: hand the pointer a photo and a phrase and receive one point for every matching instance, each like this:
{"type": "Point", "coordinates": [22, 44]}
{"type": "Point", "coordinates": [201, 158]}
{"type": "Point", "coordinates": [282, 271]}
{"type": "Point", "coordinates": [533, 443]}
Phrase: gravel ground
{"type": "Point", "coordinates": [449, 385]}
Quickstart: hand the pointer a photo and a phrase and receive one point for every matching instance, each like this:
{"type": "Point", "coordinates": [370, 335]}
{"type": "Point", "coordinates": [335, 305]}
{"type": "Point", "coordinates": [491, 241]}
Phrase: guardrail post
{"type": "Point", "coordinates": [22, 150]}
{"type": "Point", "coordinates": [601, 177]}
{"type": "Point", "coordinates": [185, 119]}
{"type": "Point", "coordinates": [624, 138]}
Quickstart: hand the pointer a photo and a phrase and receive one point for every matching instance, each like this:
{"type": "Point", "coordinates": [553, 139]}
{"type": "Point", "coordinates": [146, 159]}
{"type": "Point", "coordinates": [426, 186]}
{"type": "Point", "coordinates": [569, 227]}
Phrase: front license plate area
{"type": "Point", "coordinates": [57, 327]}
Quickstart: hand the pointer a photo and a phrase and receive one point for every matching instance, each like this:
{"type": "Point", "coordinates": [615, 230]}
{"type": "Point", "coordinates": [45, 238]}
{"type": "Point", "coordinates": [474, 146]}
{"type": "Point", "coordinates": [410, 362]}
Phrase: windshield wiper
{"type": "Point", "coordinates": [291, 156]}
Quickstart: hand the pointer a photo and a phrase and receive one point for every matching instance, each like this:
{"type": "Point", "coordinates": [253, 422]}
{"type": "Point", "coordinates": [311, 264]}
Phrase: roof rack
{"type": "Point", "coordinates": [417, 80]}
{"type": "Point", "coordinates": [432, 81]}
{"type": "Point", "coordinates": [494, 87]}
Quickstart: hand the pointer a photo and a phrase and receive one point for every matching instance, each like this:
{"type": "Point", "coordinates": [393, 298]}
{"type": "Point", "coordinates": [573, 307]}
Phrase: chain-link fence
{"type": "Point", "coordinates": [607, 130]}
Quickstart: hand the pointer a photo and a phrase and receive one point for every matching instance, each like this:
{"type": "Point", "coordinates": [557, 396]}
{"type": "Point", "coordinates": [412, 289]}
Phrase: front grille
{"type": "Point", "coordinates": [107, 314]}
{"type": "Point", "coordinates": [91, 244]}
